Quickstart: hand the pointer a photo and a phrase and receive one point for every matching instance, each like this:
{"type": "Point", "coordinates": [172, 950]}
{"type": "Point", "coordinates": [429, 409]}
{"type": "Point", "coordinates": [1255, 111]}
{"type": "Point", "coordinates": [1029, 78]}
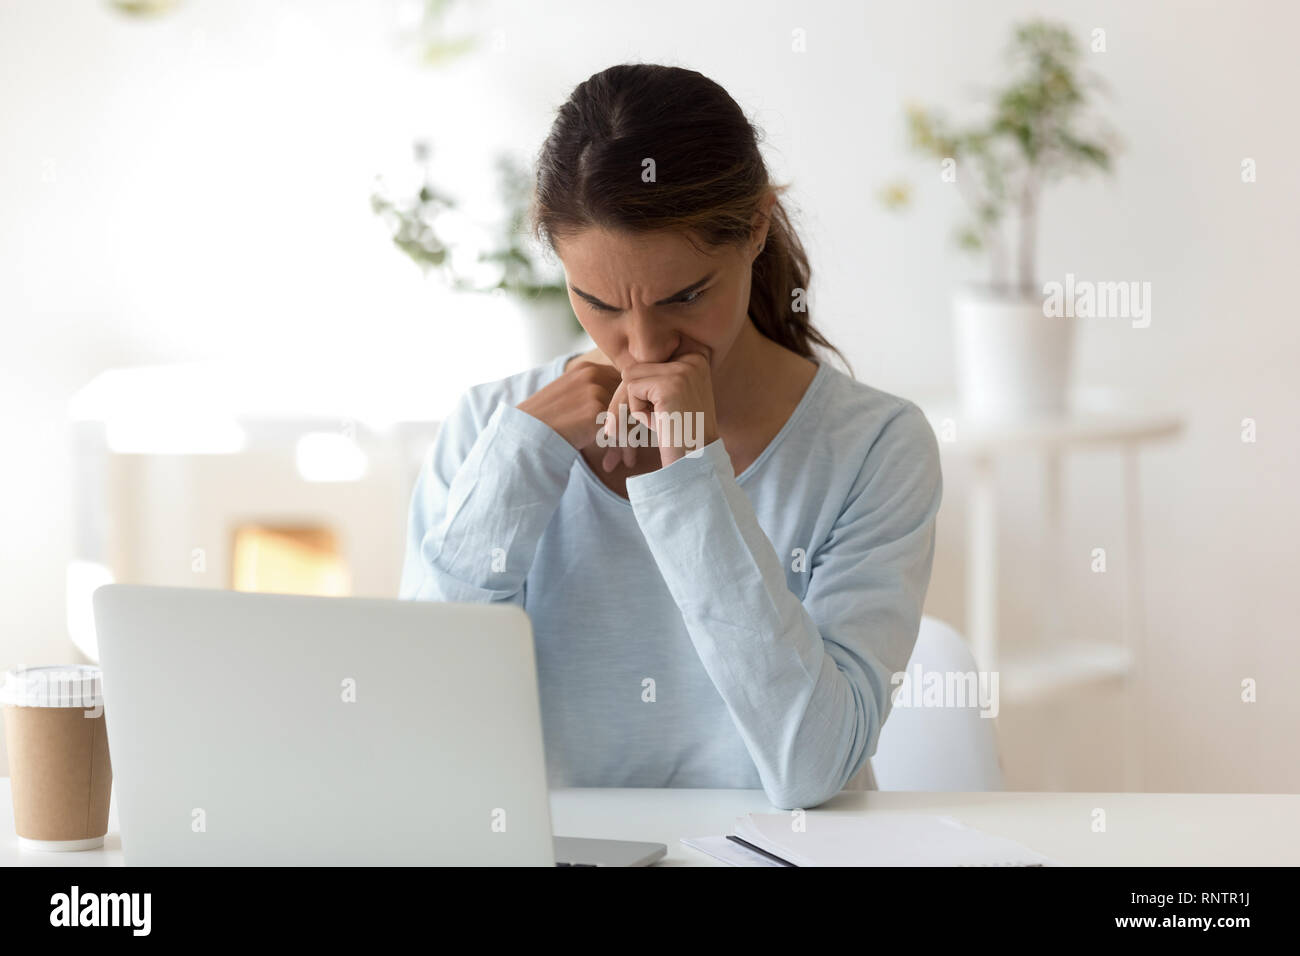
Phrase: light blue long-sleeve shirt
{"type": "Point", "coordinates": [709, 630]}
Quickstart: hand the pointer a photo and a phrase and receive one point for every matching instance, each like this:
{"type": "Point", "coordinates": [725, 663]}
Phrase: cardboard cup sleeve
{"type": "Point", "coordinates": [59, 768]}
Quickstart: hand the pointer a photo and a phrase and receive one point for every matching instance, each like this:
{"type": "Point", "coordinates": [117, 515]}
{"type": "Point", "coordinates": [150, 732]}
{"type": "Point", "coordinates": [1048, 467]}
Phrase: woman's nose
{"type": "Point", "coordinates": [649, 342]}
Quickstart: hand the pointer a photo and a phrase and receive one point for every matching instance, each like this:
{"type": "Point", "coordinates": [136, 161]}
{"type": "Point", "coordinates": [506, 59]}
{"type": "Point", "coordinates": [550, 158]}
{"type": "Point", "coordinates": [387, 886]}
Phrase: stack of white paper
{"type": "Point", "coordinates": [874, 838]}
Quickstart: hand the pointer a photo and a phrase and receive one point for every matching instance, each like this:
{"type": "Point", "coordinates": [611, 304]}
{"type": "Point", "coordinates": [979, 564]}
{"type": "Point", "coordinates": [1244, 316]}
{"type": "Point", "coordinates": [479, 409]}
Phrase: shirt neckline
{"type": "Point", "coordinates": [823, 371]}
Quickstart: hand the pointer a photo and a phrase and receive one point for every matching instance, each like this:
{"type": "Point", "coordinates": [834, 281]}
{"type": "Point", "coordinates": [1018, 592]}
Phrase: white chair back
{"type": "Point", "coordinates": [946, 748]}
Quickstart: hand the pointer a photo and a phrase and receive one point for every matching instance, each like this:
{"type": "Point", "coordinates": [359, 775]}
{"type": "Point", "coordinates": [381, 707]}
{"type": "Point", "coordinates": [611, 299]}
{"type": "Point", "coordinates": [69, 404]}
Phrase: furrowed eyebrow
{"type": "Point", "coordinates": [676, 295]}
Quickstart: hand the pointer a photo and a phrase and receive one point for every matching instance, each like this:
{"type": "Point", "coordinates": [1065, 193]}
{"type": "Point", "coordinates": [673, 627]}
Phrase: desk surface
{"type": "Point", "coordinates": [1142, 829]}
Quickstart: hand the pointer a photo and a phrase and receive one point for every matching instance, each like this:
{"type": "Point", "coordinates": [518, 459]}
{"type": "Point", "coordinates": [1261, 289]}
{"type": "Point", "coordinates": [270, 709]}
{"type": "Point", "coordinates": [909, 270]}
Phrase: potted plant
{"type": "Point", "coordinates": [1013, 360]}
{"type": "Point", "coordinates": [495, 258]}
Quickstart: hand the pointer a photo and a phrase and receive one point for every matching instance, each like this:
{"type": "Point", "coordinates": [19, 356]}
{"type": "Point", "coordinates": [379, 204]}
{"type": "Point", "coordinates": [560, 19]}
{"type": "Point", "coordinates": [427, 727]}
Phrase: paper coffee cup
{"type": "Point", "coordinates": [59, 769]}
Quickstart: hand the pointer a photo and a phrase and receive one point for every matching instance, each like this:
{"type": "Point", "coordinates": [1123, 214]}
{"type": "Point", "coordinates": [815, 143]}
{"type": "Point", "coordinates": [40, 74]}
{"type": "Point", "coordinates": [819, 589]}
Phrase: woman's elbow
{"type": "Point", "coordinates": [801, 795]}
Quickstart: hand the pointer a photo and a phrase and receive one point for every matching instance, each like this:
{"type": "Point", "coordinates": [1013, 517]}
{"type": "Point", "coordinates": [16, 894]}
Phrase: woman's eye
{"type": "Point", "coordinates": [695, 296]}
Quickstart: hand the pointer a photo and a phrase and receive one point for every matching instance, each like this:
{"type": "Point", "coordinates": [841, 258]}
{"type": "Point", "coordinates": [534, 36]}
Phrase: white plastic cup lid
{"type": "Point", "coordinates": [69, 685]}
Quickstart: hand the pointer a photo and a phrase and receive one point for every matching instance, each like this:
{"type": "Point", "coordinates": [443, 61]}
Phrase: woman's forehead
{"type": "Point", "coordinates": [657, 251]}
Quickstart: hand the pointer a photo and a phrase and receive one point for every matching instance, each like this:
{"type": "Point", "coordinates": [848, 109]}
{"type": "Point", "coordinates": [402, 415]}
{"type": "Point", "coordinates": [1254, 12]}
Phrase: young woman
{"type": "Point", "coordinates": [726, 612]}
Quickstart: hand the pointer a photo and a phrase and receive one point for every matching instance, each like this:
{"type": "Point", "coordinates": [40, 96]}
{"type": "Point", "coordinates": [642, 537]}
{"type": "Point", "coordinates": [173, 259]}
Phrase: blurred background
{"type": "Point", "coordinates": [251, 252]}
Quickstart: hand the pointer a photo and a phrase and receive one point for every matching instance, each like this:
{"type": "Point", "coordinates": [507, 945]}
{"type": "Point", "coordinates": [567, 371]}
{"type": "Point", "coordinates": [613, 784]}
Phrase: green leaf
{"type": "Point", "coordinates": [969, 239]}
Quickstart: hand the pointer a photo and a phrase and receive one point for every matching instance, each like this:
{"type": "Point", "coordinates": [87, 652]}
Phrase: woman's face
{"type": "Point", "coordinates": [651, 297]}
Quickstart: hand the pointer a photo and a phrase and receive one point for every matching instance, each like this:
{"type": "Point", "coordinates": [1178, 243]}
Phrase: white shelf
{"type": "Point", "coordinates": [1041, 671]}
{"type": "Point", "coordinates": [1096, 416]}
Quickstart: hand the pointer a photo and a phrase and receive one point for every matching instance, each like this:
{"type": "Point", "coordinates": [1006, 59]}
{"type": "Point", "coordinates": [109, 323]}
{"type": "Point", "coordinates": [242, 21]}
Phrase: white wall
{"type": "Point", "coordinates": [199, 186]}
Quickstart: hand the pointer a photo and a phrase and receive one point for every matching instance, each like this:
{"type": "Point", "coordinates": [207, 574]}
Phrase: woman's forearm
{"type": "Point", "coordinates": [474, 526]}
{"type": "Point", "coordinates": [806, 682]}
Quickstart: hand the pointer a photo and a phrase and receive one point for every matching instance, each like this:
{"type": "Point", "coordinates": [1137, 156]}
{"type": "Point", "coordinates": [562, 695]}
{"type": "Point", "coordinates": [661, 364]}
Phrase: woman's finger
{"type": "Point", "coordinates": [633, 407]}
{"type": "Point", "coordinates": [612, 419]}
{"type": "Point", "coordinates": [613, 453]}
{"type": "Point", "coordinates": [640, 411]}
{"type": "Point", "coordinates": [640, 393]}
{"type": "Point", "coordinates": [639, 408]}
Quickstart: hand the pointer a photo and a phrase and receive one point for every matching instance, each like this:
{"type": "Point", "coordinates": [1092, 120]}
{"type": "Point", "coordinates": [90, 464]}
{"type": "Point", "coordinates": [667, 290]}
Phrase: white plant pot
{"type": "Point", "coordinates": [1013, 362]}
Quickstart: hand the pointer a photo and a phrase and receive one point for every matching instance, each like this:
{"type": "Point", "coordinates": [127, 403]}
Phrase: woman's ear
{"type": "Point", "coordinates": [762, 223]}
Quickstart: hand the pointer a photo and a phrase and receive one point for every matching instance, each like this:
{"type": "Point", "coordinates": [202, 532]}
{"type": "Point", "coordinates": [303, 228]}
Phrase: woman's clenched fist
{"type": "Point", "coordinates": [571, 403]}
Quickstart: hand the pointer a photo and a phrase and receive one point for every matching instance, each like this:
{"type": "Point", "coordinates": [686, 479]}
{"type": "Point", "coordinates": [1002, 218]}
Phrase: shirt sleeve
{"type": "Point", "coordinates": [481, 502]}
{"type": "Point", "coordinates": [806, 683]}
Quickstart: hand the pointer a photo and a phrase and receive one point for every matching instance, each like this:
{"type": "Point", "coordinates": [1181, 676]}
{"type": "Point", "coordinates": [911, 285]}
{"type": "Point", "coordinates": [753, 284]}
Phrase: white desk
{"type": "Point", "coordinates": [1142, 829]}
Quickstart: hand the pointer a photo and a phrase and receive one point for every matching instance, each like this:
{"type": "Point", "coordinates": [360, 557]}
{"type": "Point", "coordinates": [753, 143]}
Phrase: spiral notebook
{"type": "Point", "coordinates": [875, 838]}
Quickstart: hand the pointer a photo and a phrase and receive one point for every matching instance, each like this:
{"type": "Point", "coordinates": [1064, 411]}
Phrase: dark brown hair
{"type": "Point", "coordinates": [710, 181]}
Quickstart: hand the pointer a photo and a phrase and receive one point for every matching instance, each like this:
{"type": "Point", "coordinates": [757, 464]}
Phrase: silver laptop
{"type": "Point", "coordinates": [273, 729]}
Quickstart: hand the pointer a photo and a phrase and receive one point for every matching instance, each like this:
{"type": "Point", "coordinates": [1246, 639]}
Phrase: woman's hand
{"type": "Point", "coordinates": [673, 399]}
{"type": "Point", "coordinates": [571, 403]}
